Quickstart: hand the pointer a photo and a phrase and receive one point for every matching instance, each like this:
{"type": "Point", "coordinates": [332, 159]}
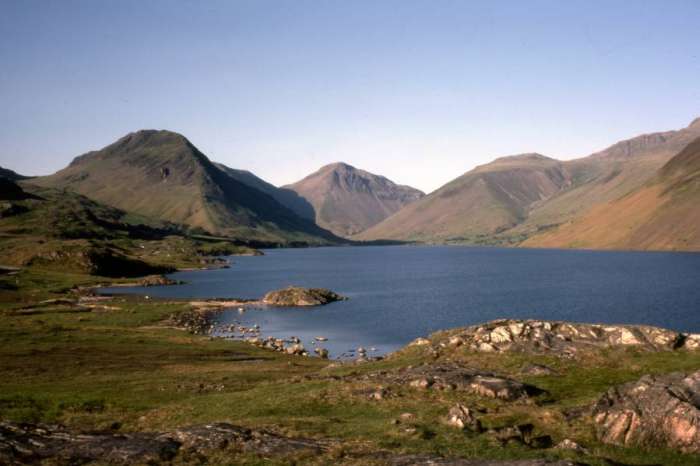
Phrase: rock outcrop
{"type": "Point", "coordinates": [297, 296]}
{"type": "Point", "coordinates": [158, 280]}
{"type": "Point", "coordinates": [31, 444]}
{"type": "Point", "coordinates": [562, 338]}
{"type": "Point", "coordinates": [455, 377]}
{"type": "Point", "coordinates": [53, 444]}
{"type": "Point", "coordinates": [655, 411]}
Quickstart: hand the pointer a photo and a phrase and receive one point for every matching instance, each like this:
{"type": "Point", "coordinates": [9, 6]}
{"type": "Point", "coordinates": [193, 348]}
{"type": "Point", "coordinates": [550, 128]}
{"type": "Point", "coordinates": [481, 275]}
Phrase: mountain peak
{"type": "Point", "coordinates": [528, 156]}
{"type": "Point", "coordinates": [347, 200]}
{"type": "Point", "coordinates": [695, 123]}
{"type": "Point", "coordinates": [337, 166]}
{"type": "Point", "coordinates": [151, 137]}
{"type": "Point", "coordinates": [145, 141]}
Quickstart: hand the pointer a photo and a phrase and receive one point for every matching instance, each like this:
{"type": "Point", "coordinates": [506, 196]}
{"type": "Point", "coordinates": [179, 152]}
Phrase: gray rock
{"type": "Point", "coordinates": [455, 377]}
{"type": "Point", "coordinates": [27, 444]}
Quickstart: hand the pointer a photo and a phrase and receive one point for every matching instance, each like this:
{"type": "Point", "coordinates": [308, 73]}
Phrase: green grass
{"type": "Point", "coordinates": [123, 368]}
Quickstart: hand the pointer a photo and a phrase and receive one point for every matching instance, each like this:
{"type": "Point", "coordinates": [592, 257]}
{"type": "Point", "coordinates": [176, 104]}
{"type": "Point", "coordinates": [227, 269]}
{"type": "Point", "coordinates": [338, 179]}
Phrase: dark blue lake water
{"type": "Point", "coordinates": [398, 293]}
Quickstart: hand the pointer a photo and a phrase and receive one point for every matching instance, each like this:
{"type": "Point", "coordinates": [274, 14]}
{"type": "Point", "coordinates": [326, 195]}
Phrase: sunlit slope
{"type": "Point", "coordinates": [483, 202]}
{"type": "Point", "coordinates": [664, 214]}
{"type": "Point", "coordinates": [509, 202]}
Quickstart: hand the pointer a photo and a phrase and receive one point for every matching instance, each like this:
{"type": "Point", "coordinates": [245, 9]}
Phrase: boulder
{"type": "Point", "coordinates": [463, 418]}
{"type": "Point", "coordinates": [296, 296]}
{"type": "Point", "coordinates": [655, 411]}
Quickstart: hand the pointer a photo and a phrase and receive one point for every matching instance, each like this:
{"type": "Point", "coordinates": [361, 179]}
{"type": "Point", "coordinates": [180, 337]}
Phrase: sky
{"type": "Point", "coordinates": [418, 91]}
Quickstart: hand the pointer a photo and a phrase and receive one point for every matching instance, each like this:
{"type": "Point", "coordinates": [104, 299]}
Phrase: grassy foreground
{"type": "Point", "coordinates": [119, 366]}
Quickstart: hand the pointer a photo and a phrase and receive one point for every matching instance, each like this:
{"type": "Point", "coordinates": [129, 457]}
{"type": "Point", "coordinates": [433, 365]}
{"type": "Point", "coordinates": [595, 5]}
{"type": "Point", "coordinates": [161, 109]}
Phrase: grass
{"type": "Point", "coordinates": [123, 369]}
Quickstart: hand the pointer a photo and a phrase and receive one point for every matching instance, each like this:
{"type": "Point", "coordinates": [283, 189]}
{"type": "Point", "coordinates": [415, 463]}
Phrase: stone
{"type": "Point", "coordinates": [220, 435]}
{"type": "Point", "coordinates": [568, 444]}
{"type": "Point", "coordinates": [692, 341]}
{"type": "Point", "coordinates": [158, 280]}
{"type": "Point", "coordinates": [537, 369]}
{"type": "Point", "coordinates": [419, 342]}
{"type": "Point", "coordinates": [297, 296]}
{"type": "Point", "coordinates": [655, 411]}
{"type": "Point", "coordinates": [451, 376]}
{"type": "Point", "coordinates": [25, 443]}
{"type": "Point", "coordinates": [423, 383]}
{"type": "Point", "coordinates": [463, 418]}
{"type": "Point", "coordinates": [455, 341]}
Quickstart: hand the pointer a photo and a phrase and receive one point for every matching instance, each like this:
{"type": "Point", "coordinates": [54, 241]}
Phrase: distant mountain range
{"type": "Point", "coordinates": [517, 200]}
{"type": "Point", "coordinates": [640, 193]}
{"type": "Point", "coordinates": [662, 214]}
{"type": "Point", "coordinates": [161, 174]}
{"type": "Point", "coordinates": [347, 200]}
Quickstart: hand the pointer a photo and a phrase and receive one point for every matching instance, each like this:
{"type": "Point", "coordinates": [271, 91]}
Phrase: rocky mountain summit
{"type": "Point", "coordinates": [347, 200]}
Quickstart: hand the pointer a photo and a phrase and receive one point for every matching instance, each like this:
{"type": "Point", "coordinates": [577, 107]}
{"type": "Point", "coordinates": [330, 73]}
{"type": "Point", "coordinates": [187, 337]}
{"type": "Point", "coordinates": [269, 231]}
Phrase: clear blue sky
{"type": "Point", "coordinates": [420, 91]}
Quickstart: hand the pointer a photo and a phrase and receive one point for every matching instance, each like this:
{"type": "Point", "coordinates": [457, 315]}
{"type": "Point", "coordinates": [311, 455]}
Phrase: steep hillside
{"type": "Point", "coordinates": [347, 200]}
{"type": "Point", "coordinates": [661, 215]}
{"type": "Point", "coordinates": [606, 176]}
{"type": "Point", "coordinates": [483, 202]}
{"type": "Point", "coordinates": [284, 196]}
{"type": "Point", "coordinates": [477, 216]}
{"type": "Point", "coordinates": [160, 174]}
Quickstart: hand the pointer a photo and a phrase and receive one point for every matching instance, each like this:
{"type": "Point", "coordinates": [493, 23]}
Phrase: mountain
{"type": "Point", "coordinates": [663, 214]}
{"type": "Point", "coordinates": [10, 175]}
{"type": "Point", "coordinates": [482, 202]}
{"type": "Point", "coordinates": [161, 174]}
{"type": "Point", "coordinates": [607, 175]}
{"type": "Point", "coordinates": [284, 196]}
{"type": "Point", "coordinates": [347, 200]}
{"type": "Point", "coordinates": [484, 208]}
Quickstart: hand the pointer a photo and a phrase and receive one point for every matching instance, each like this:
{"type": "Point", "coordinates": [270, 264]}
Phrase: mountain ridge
{"type": "Point", "coordinates": [478, 208]}
{"type": "Point", "coordinates": [161, 174]}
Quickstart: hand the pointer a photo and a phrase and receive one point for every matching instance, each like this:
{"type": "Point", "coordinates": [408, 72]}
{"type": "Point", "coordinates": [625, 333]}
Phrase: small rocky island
{"type": "Point", "coordinates": [299, 297]}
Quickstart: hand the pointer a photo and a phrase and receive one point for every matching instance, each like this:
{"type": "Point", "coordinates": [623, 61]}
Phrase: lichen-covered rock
{"type": "Point", "coordinates": [34, 444]}
{"type": "Point", "coordinates": [28, 444]}
{"type": "Point", "coordinates": [561, 338]}
{"type": "Point", "coordinates": [220, 435]}
{"type": "Point", "coordinates": [655, 411]}
{"type": "Point", "coordinates": [297, 296]}
{"type": "Point", "coordinates": [456, 377]}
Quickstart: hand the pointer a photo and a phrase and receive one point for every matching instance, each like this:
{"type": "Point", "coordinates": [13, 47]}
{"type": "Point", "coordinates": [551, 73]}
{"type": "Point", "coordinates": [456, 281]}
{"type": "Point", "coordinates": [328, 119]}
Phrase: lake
{"type": "Point", "coordinates": [398, 293]}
